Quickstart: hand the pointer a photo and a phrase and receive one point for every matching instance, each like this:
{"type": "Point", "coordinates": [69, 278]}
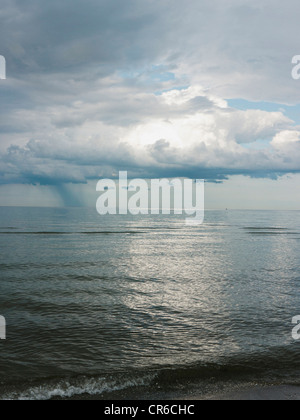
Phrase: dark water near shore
{"type": "Point", "coordinates": [103, 305]}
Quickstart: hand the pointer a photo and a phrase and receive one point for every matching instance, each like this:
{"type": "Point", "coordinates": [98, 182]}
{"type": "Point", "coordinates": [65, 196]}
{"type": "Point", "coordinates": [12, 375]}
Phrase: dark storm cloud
{"type": "Point", "coordinates": [59, 36]}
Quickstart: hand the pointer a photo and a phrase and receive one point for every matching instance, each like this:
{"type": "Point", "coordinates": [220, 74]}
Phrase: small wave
{"type": "Point", "coordinates": [273, 233]}
{"type": "Point", "coordinates": [265, 228]}
{"type": "Point", "coordinates": [77, 387]}
{"type": "Point", "coordinates": [269, 231]}
{"type": "Point", "coordinates": [72, 233]}
{"type": "Point", "coordinates": [257, 367]}
{"type": "Point", "coordinates": [9, 228]}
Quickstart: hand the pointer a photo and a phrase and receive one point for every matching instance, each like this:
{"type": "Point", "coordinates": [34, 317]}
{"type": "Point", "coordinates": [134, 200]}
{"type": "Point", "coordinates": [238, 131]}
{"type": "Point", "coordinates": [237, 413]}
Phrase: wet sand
{"type": "Point", "coordinates": [275, 393]}
{"type": "Point", "coordinates": [247, 393]}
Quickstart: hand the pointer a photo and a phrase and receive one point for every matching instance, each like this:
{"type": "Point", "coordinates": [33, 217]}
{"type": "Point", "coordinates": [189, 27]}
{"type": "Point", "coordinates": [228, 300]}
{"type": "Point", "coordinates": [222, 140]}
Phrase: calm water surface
{"type": "Point", "coordinates": [103, 305]}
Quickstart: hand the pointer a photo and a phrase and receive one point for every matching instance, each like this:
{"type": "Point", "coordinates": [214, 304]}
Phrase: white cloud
{"type": "Point", "coordinates": [174, 132]}
{"type": "Point", "coordinates": [286, 138]}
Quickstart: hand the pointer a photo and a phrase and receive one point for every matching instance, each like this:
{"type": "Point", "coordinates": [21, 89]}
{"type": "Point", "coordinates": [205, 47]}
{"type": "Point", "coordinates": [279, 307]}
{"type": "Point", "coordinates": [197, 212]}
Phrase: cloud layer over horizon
{"type": "Point", "coordinates": [96, 87]}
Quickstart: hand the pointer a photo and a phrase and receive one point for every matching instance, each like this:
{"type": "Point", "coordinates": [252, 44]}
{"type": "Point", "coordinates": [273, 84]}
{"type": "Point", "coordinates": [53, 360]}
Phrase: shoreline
{"type": "Point", "coordinates": [247, 393]}
{"type": "Point", "coordinates": [259, 393]}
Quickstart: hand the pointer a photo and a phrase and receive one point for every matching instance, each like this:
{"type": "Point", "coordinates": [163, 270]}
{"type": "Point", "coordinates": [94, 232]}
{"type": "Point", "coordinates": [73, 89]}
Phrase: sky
{"type": "Point", "coordinates": [169, 88]}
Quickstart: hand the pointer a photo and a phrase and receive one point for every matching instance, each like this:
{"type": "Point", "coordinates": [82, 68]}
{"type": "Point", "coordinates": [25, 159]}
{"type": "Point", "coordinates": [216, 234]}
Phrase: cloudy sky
{"type": "Point", "coordinates": [164, 88]}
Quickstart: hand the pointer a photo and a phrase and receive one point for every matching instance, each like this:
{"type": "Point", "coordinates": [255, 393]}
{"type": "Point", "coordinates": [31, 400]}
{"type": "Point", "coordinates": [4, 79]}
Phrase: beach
{"type": "Point", "coordinates": [242, 393]}
{"type": "Point", "coordinates": [275, 393]}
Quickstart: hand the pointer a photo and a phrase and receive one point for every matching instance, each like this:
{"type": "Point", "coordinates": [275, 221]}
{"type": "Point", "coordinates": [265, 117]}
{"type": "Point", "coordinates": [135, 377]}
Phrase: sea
{"type": "Point", "coordinates": [146, 307]}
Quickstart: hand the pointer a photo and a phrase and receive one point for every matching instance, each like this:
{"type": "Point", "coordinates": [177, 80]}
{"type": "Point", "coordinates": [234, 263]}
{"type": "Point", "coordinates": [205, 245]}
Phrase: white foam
{"type": "Point", "coordinates": [67, 389]}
